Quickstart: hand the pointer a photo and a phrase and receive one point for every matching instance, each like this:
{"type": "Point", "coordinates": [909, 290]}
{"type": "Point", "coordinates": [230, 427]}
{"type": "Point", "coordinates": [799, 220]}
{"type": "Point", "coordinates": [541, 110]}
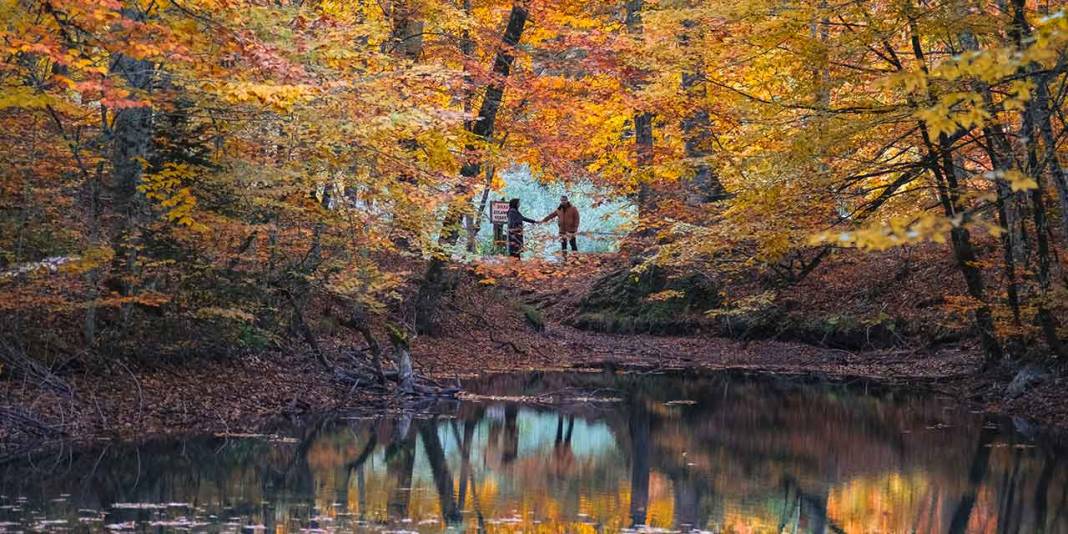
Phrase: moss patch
{"type": "Point", "coordinates": [534, 317]}
{"type": "Point", "coordinates": [837, 331]}
{"type": "Point", "coordinates": [647, 300]}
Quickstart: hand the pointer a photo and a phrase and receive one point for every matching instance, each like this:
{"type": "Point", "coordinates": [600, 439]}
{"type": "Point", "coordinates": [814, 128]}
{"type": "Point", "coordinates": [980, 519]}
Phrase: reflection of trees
{"type": "Point", "coordinates": [755, 438]}
{"type": "Point", "coordinates": [1007, 490]}
{"type": "Point", "coordinates": [467, 474]}
{"type": "Point", "coordinates": [202, 471]}
{"type": "Point", "coordinates": [510, 448]}
{"type": "Point", "coordinates": [428, 431]}
{"type": "Point", "coordinates": [464, 444]}
{"type": "Point", "coordinates": [563, 457]}
{"type": "Point", "coordinates": [1062, 507]}
{"type": "Point", "coordinates": [810, 506]}
{"type": "Point", "coordinates": [689, 491]}
{"type": "Point", "coordinates": [564, 438]}
{"type": "Point", "coordinates": [1041, 498]}
{"type": "Point", "coordinates": [638, 430]}
{"type": "Point", "coordinates": [400, 460]}
{"type": "Point", "coordinates": [793, 455]}
{"type": "Point", "coordinates": [296, 475]}
{"type": "Point", "coordinates": [976, 474]}
{"type": "Point", "coordinates": [357, 466]}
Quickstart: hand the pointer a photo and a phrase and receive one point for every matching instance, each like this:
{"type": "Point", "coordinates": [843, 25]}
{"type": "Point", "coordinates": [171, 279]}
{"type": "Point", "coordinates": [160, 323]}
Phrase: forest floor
{"type": "Point", "coordinates": [501, 317]}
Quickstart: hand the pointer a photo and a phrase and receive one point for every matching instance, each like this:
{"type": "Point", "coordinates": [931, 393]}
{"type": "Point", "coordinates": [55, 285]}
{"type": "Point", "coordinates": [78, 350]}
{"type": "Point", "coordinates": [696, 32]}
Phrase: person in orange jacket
{"type": "Point", "coordinates": [567, 217]}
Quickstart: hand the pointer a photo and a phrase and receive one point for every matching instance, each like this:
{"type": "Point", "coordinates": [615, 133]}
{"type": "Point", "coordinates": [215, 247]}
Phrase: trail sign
{"type": "Point", "coordinates": [498, 212]}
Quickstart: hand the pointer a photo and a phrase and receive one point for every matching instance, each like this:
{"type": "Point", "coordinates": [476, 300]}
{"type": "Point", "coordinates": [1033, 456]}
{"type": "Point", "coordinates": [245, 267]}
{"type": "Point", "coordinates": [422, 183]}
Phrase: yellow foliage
{"type": "Point", "coordinates": [23, 97]}
{"type": "Point", "coordinates": [1017, 180]}
{"type": "Point", "coordinates": [892, 233]}
{"type": "Point", "coordinates": [91, 258]}
{"type": "Point", "coordinates": [166, 187]}
{"type": "Point", "coordinates": [225, 313]}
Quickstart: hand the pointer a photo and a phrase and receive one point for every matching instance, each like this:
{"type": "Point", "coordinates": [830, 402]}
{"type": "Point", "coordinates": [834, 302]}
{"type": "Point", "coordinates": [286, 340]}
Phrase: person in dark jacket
{"type": "Point", "coordinates": [567, 217]}
{"type": "Point", "coordinates": [515, 228]}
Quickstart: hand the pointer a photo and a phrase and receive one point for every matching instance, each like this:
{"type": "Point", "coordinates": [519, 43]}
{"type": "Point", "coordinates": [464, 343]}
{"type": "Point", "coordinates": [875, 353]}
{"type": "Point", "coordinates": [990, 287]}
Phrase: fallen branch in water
{"type": "Point", "coordinates": [407, 382]}
{"type": "Point", "coordinates": [556, 397]}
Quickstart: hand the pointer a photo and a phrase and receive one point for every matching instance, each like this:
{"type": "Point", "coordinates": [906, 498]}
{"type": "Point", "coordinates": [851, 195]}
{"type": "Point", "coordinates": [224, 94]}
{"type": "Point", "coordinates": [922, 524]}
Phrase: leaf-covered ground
{"type": "Point", "coordinates": [501, 316]}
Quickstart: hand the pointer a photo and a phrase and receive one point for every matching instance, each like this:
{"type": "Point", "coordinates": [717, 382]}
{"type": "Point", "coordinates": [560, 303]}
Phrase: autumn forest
{"type": "Point", "coordinates": [216, 212]}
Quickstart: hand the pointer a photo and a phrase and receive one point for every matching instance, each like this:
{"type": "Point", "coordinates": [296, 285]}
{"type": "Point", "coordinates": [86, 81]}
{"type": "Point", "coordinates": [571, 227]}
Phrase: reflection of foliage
{"type": "Point", "coordinates": [745, 453]}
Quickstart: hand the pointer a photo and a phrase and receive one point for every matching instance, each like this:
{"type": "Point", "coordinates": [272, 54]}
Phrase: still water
{"type": "Point", "coordinates": [579, 453]}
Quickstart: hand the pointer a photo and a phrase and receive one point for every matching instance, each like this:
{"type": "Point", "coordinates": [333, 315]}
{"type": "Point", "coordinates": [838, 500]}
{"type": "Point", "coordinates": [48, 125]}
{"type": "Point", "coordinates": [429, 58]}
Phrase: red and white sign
{"type": "Point", "coordinates": [498, 212]}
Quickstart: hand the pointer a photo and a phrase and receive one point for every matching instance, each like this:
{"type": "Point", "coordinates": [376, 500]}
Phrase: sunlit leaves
{"type": "Point", "coordinates": [953, 112]}
{"type": "Point", "coordinates": [1017, 180]}
{"type": "Point", "coordinates": [23, 97]}
{"type": "Point", "coordinates": [892, 233]}
{"type": "Point", "coordinates": [232, 314]}
{"type": "Point", "coordinates": [169, 187]}
{"type": "Point", "coordinates": [277, 98]}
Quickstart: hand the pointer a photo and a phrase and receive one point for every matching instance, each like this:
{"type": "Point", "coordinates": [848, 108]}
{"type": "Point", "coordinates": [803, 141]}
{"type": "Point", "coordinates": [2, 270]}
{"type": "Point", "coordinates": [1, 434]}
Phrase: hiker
{"type": "Point", "coordinates": [515, 228]}
{"type": "Point", "coordinates": [567, 217]}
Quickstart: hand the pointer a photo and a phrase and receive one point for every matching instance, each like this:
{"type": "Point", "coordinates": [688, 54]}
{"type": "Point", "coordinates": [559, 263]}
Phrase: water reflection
{"type": "Point", "coordinates": [721, 454]}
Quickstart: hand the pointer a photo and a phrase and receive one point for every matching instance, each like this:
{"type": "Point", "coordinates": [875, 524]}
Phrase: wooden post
{"type": "Point", "coordinates": [499, 216]}
{"type": "Point", "coordinates": [499, 241]}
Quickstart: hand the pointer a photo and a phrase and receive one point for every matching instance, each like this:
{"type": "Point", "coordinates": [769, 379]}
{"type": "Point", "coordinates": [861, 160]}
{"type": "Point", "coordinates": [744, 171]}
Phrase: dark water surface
{"type": "Point", "coordinates": [722, 453]}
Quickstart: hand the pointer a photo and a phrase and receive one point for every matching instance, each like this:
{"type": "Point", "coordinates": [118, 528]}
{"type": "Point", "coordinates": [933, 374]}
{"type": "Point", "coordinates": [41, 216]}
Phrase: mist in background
{"type": "Point", "coordinates": [604, 219]}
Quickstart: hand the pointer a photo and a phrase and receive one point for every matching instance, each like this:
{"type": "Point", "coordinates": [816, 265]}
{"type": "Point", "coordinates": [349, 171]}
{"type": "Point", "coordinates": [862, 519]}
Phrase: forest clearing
{"type": "Point", "coordinates": [646, 254]}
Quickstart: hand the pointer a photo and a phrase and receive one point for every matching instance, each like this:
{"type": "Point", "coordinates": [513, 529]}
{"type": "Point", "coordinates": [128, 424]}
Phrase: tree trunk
{"type": "Point", "coordinates": [475, 219]}
{"type": "Point", "coordinates": [306, 332]}
{"type": "Point", "coordinates": [1033, 114]}
{"type": "Point", "coordinates": [359, 322]}
{"type": "Point", "coordinates": [643, 126]}
{"type": "Point", "coordinates": [1007, 220]}
{"type": "Point", "coordinates": [482, 127]}
{"type": "Point", "coordinates": [402, 354]}
{"type": "Point", "coordinates": [432, 286]}
{"type": "Point", "coordinates": [940, 162]}
{"type": "Point", "coordinates": [1045, 318]}
{"type": "Point", "coordinates": [967, 260]}
{"type": "Point", "coordinates": [1039, 110]}
{"type": "Point", "coordinates": [1045, 126]}
{"type": "Point", "coordinates": [92, 276]}
{"type": "Point", "coordinates": [703, 186]}
{"type": "Point", "coordinates": [131, 137]}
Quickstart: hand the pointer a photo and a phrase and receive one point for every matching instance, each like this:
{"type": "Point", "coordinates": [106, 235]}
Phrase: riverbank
{"type": "Point", "coordinates": [486, 329]}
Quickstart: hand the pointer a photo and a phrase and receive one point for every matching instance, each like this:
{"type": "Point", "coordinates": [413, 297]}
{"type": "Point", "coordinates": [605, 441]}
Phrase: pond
{"type": "Point", "coordinates": [577, 453]}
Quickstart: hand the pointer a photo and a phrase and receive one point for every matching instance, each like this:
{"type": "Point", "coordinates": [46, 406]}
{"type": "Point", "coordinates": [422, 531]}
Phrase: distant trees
{"type": "Point", "coordinates": [891, 123]}
{"type": "Point", "coordinates": [194, 166]}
